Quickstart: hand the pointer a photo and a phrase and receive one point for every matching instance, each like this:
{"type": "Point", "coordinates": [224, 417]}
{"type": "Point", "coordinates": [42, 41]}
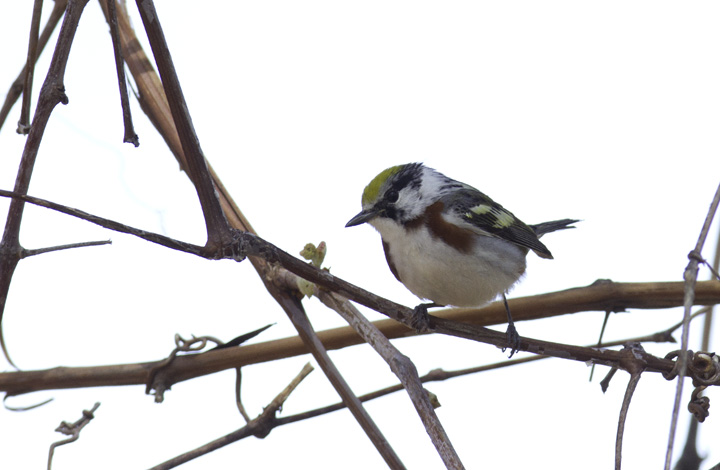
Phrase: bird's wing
{"type": "Point", "coordinates": [471, 209]}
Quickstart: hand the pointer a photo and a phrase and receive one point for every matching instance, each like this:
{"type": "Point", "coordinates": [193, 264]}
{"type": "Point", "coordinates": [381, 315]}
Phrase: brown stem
{"type": "Point", "coordinates": [16, 88]}
{"type": "Point", "coordinates": [218, 230]}
{"type": "Point", "coordinates": [306, 332]}
{"type": "Point", "coordinates": [260, 426]}
{"type": "Point", "coordinates": [130, 136]}
{"type": "Point", "coordinates": [51, 93]}
{"type": "Point", "coordinates": [24, 122]}
{"type": "Point", "coordinates": [690, 277]}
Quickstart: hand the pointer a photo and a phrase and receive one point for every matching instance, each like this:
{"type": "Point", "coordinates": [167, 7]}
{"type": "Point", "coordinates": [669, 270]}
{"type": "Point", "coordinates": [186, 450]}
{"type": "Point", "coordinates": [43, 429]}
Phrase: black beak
{"type": "Point", "coordinates": [362, 217]}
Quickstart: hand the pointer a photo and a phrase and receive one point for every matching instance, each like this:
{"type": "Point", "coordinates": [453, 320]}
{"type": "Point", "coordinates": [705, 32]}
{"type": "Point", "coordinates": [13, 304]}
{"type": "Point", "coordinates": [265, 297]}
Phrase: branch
{"type": "Point", "coordinates": [72, 430]}
{"type": "Point", "coordinates": [187, 367]}
{"type": "Point", "coordinates": [16, 88]}
{"type": "Point", "coordinates": [690, 277]}
{"type": "Point", "coordinates": [404, 369]}
{"type": "Point", "coordinates": [299, 319]}
{"type": "Point", "coordinates": [259, 427]}
{"type": "Point", "coordinates": [635, 367]}
{"type": "Point", "coordinates": [24, 122]}
{"type": "Point", "coordinates": [130, 136]}
{"type": "Point", "coordinates": [26, 253]}
{"type": "Point", "coordinates": [218, 230]}
{"type": "Point", "coordinates": [51, 93]}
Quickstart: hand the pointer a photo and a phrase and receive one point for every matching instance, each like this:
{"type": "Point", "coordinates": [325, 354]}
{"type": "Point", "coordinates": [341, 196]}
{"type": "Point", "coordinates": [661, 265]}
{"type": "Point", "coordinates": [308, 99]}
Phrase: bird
{"type": "Point", "coordinates": [447, 242]}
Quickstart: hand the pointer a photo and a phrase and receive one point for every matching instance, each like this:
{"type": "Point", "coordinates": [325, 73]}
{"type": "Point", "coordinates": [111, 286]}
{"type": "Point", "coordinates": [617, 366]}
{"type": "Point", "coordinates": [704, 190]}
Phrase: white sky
{"type": "Point", "coordinates": [602, 111]}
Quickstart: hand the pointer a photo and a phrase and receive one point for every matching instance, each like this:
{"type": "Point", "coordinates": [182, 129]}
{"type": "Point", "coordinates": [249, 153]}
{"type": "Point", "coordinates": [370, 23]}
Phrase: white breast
{"type": "Point", "coordinates": [433, 270]}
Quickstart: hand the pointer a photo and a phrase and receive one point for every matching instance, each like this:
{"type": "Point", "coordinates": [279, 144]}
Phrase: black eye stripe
{"type": "Point", "coordinates": [392, 196]}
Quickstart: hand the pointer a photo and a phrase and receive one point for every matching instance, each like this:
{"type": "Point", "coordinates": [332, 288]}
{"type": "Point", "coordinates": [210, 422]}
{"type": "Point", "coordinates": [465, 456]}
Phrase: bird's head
{"type": "Point", "coordinates": [402, 193]}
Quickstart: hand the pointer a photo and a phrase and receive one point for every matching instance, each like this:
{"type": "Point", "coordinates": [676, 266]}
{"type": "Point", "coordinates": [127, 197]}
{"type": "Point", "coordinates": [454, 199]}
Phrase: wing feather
{"type": "Point", "coordinates": [476, 211]}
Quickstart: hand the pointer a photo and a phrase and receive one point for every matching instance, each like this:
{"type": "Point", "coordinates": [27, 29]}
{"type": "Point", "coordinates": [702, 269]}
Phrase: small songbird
{"type": "Point", "coordinates": [446, 241]}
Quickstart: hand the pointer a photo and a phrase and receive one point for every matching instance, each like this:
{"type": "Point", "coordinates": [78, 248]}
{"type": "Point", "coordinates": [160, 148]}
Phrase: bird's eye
{"type": "Point", "coordinates": [392, 196]}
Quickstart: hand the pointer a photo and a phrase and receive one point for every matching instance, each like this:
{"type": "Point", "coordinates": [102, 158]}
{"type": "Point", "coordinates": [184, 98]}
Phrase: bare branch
{"type": "Point", "coordinates": [259, 427]}
{"type": "Point", "coordinates": [636, 369]}
{"type": "Point", "coordinates": [51, 93]}
{"type": "Point", "coordinates": [111, 224]}
{"type": "Point", "coordinates": [300, 321]}
{"type": "Point", "coordinates": [24, 122]}
{"type": "Point", "coordinates": [690, 277]}
{"type": "Point", "coordinates": [218, 229]}
{"type": "Point", "coordinates": [185, 368]}
{"type": "Point", "coordinates": [72, 430]}
{"type": "Point", "coordinates": [17, 86]}
{"type": "Point", "coordinates": [26, 253]}
{"type": "Point", "coordinates": [130, 136]}
{"type": "Point", "coordinates": [404, 369]}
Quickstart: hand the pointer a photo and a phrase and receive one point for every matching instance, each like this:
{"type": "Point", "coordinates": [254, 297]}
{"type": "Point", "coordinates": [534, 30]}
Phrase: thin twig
{"type": "Point", "coordinates": [690, 458]}
{"type": "Point", "coordinates": [51, 93]}
{"type": "Point", "coordinates": [259, 427]}
{"type": "Point", "coordinates": [26, 253]}
{"type": "Point", "coordinates": [600, 338]}
{"type": "Point", "coordinates": [16, 88]}
{"type": "Point", "coordinates": [632, 385]}
{"type": "Point", "coordinates": [72, 430]}
{"type": "Point", "coordinates": [156, 381]}
{"type": "Point", "coordinates": [24, 122]}
{"type": "Point", "coordinates": [690, 278]}
{"type": "Point", "coordinates": [238, 398]}
{"type": "Point", "coordinates": [130, 136]}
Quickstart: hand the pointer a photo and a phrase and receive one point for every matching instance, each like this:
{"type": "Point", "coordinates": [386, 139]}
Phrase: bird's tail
{"type": "Point", "coordinates": [555, 225]}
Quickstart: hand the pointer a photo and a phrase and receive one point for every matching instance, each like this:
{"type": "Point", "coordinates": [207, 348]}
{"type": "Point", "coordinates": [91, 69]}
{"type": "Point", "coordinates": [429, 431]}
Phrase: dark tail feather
{"type": "Point", "coordinates": [555, 225]}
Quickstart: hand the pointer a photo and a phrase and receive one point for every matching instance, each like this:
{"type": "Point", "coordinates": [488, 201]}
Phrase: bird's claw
{"type": "Point", "coordinates": [513, 340]}
{"type": "Point", "coordinates": [420, 319]}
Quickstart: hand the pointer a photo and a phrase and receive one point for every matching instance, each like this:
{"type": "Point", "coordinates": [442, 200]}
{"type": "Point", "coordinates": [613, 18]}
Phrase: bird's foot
{"type": "Point", "coordinates": [420, 319]}
{"type": "Point", "coordinates": [513, 340]}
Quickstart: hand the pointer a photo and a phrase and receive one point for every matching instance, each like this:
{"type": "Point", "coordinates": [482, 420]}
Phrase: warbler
{"type": "Point", "coordinates": [446, 241]}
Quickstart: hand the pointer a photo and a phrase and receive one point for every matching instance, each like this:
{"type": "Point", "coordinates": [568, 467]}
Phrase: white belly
{"type": "Point", "coordinates": [432, 270]}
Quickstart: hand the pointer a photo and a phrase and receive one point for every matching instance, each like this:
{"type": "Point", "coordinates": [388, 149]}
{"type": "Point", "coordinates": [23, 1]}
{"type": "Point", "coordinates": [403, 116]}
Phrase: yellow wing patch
{"type": "Point", "coordinates": [479, 210]}
{"type": "Point", "coordinates": [503, 219]}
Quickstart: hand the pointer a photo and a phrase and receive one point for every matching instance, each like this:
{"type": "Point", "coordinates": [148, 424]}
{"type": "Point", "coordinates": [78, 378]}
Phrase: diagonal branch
{"type": "Point", "coordinates": [24, 122]}
{"type": "Point", "coordinates": [403, 368]}
{"type": "Point", "coordinates": [51, 93]}
{"type": "Point", "coordinates": [260, 426]}
{"type": "Point", "coordinates": [299, 319]}
{"type": "Point", "coordinates": [690, 277]}
{"type": "Point", "coordinates": [218, 230]}
{"type": "Point", "coordinates": [16, 88]}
